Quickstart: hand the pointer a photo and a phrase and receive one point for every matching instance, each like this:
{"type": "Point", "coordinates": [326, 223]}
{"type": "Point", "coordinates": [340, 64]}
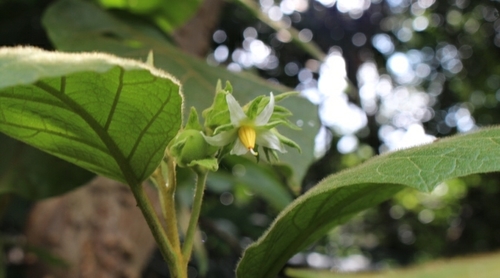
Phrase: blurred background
{"type": "Point", "coordinates": [385, 75]}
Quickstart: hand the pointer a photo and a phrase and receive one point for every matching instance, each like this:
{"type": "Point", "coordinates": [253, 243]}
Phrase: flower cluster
{"type": "Point", "coordinates": [248, 131]}
{"type": "Point", "coordinates": [231, 128]}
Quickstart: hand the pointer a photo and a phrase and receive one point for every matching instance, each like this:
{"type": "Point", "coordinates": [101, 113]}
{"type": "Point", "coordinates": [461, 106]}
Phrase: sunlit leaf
{"type": "Point", "coordinates": [339, 197]}
{"type": "Point", "coordinates": [111, 116]}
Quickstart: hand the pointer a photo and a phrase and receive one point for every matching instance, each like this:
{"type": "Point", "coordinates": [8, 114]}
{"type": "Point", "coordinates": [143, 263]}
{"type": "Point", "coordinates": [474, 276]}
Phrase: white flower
{"type": "Point", "coordinates": [247, 132]}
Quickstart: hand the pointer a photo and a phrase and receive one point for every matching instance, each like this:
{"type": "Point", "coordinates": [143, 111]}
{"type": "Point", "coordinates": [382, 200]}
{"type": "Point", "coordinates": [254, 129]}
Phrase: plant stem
{"type": "Point", "coordinates": [173, 259]}
{"type": "Point", "coordinates": [201, 178]}
{"type": "Point", "coordinates": [167, 197]}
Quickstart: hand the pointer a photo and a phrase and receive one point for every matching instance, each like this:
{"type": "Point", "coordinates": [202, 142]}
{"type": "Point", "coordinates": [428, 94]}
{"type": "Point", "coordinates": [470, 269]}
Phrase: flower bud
{"type": "Point", "coordinates": [189, 145]}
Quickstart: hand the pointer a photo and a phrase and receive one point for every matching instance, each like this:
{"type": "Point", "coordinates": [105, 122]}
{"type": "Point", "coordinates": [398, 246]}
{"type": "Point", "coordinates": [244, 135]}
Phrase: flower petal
{"type": "Point", "coordinates": [239, 148]}
{"type": "Point", "coordinates": [266, 114]}
{"type": "Point", "coordinates": [221, 139]}
{"type": "Point", "coordinates": [268, 139]}
{"type": "Point", "coordinates": [236, 113]}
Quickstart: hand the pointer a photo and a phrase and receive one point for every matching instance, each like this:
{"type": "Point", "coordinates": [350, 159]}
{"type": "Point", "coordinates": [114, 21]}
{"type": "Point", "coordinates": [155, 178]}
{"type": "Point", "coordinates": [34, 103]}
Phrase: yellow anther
{"type": "Point", "coordinates": [247, 138]}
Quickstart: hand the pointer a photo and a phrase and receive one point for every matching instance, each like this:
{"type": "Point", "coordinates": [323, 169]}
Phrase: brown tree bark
{"type": "Point", "coordinates": [97, 229]}
{"type": "Point", "coordinates": [195, 36]}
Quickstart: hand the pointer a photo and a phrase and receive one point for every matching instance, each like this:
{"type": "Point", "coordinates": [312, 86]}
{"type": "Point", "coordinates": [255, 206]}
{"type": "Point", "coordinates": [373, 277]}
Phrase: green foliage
{"type": "Point", "coordinates": [339, 197]}
{"type": "Point", "coordinates": [111, 116]}
{"type": "Point", "coordinates": [97, 30]}
{"type": "Point", "coordinates": [262, 181]}
{"type": "Point", "coordinates": [167, 14]}
{"type": "Point", "coordinates": [59, 120]}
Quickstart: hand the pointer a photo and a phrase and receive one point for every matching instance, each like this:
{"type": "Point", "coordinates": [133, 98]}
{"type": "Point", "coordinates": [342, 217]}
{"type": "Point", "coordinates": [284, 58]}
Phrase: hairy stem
{"type": "Point", "coordinates": [173, 259]}
{"type": "Point", "coordinates": [168, 196]}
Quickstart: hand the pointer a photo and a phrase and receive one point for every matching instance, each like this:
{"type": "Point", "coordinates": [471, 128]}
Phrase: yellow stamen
{"type": "Point", "coordinates": [247, 138]}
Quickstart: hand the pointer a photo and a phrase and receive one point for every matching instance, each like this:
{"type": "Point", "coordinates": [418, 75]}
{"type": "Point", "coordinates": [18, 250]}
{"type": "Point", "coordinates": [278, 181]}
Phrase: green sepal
{"type": "Point", "coordinates": [222, 128]}
{"type": "Point", "coordinates": [193, 122]}
{"type": "Point", "coordinates": [285, 95]}
{"type": "Point", "coordinates": [287, 141]}
{"type": "Point", "coordinates": [259, 103]}
{"type": "Point", "coordinates": [290, 125]}
{"type": "Point", "coordinates": [281, 112]}
{"type": "Point", "coordinates": [274, 154]}
{"type": "Point", "coordinates": [225, 150]}
{"type": "Point", "coordinates": [253, 108]}
{"type": "Point", "coordinates": [176, 146]}
{"type": "Point", "coordinates": [218, 113]}
{"type": "Point", "coordinates": [210, 164]}
{"type": "Point", "coordinates": [229, 87]}
{"type": "Point", "coordinates": [274, 124]}
{"type": "Point", "coordinates": [257, 158]}
{"type": "Point", "coordinates": [218, 87]}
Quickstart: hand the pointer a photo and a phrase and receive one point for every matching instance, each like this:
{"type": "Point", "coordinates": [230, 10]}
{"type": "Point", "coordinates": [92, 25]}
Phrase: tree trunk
{"type": "Point", "coordinates": [97, 229]}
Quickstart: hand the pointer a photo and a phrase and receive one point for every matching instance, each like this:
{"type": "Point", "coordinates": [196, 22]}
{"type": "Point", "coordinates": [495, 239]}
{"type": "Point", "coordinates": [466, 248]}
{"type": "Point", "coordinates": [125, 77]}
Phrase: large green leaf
{"type": "Point", "coordinates": [339, 197]}
{"type": "Point", "coordinates": [111, 116]}
{"type": "Point", "coordinates": [96, 29]}
{"type": "Point", "coordinates": [167, 14]}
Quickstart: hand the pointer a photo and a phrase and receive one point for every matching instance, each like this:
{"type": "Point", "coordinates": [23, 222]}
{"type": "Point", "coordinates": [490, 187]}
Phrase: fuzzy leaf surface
{"type": "Point", "coordinates": [339, 197]}
{"type": "Point", "coordinates": [108, 115]}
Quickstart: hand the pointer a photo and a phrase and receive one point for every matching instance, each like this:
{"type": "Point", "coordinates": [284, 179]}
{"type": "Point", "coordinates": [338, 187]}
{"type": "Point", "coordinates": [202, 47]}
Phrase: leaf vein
{"type": "Point", "coordinates": [115, 100]}
{"type": "Point", "coordinates": [110, 144]}
{"type": "Point", "coordinates": [145, 129]}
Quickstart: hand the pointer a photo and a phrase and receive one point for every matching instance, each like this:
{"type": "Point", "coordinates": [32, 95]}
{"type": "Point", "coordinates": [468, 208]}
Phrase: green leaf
{"type": "Point", "coordinates": [168, 15]}
{"type": "Point", "coordinates": [111, 116]}
{"type": "Point", "coordinates": [174, 13]}
{"type": "Point", "coordinates": [140, 7]}
{"type": "Point", "coordinates": [339, 197]}
{"type": "Point", "coordinates": [263, 181]}
{"type": "Point", "coordinates": [96, 30]}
